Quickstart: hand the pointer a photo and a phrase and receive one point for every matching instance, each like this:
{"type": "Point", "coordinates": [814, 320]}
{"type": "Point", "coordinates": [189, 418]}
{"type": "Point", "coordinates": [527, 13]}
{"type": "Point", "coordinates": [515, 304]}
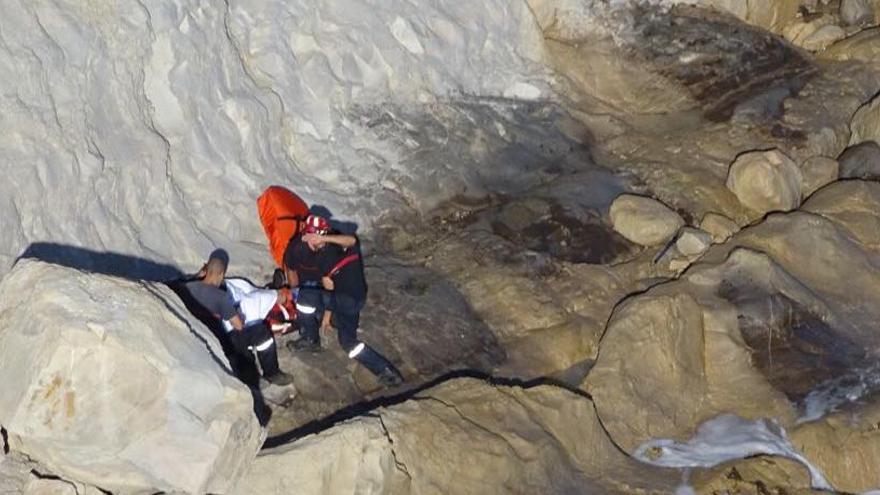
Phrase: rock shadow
{"type": "Point", "coordinates": [139, 269]}
{"type": "Point", "coordinates": [104, 262]}
{"type": "Point", "coordinates": [794, 348]}
{"type": "Point", "coordinates": [364, 408]}
{"type": "Point", "coordinates": [722, 61]}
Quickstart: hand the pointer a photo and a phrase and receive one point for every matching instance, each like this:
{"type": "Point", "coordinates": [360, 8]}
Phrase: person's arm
{"type": "Point", "coordinates": [344, 240]}
{"type": "Point", "coordinates": [292, 277]}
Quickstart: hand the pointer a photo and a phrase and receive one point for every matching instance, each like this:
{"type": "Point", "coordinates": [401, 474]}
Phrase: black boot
{"type": "Point", "coordinates": [390, 377]}
{"type": "Point", "coordinates": [385, 372]}
{"type": "Point", "coordinates": [304, 344]}
{"type": "Point", "coordinates": [281, 379]}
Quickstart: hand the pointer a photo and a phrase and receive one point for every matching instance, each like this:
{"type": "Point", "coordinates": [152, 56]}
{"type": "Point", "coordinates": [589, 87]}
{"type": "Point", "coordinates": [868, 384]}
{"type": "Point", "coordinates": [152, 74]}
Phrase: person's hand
{"type": "Point", "coordinates": [284, 296]}
{"type": "Point", "coordinates": [327, 282]}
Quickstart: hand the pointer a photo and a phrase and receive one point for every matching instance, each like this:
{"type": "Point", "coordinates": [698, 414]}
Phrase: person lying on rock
{"type": "Point", "coordinates": [319, 260]}
{"type": "Point", "coordinates": [246, 329]}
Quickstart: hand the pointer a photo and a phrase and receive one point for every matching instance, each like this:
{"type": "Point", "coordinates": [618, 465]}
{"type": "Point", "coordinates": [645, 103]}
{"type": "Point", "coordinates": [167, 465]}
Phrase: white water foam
{"type": "Point", "coordinates": [725, 438]}
{"type": "Point", "coordinates": [832, 394]}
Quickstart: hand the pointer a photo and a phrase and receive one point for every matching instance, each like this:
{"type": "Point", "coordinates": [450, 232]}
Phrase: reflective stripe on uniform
{"type": "Point", "coordinates": [357, 350]}
{"type": "Point", "coordinates": [280, 327]}
{"type": "Point", "coordinates": [307, 310]}
{"type": "Point", "coordinates": [265, 345]}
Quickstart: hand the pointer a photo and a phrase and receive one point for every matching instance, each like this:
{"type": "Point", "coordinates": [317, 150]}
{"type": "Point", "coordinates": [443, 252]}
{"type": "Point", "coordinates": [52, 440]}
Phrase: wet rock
{"type": "Point", "coordinates": [766, 181]}
{"type": "Point", "coordinates": [718, 226]}
{"type": "Point", "coordinates": [494, 438]}
{"type": "Point", "coordinates": [756, 476]}
{"type": "Point", "coordinates": [693, 242]}
{"type": "Point", "coordinates": [856, 12]}
{"type": "Point", "coordinates": [117, 386]}
{"type": "Point", "coordinates": [643, 220]}
{"type": "Point", "coordinates": [519, 215]}
{"type": "Point", "coordinates": [823, 37]}
{"type": "Point", "coordinates": [544, 226]}
{"type": "Point", "coordinates": [754, 334]}
{"type": "Point", "coordinates": [866, 123]}
{"type": "Point", "coordinates": [818, 171]}
{"type": "Point", "coordinates": [656, 59]}
{"type": "Point", "coordinates": [860, 161]}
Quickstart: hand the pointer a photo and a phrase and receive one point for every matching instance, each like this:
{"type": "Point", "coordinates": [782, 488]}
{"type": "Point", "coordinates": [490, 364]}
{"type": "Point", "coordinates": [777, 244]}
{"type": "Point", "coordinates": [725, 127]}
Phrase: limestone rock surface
{"type": "Point", "coordinates": [860, 161]}
{"type": "Point", "coordinates": [117, 386]}
{"type": "Point", "coordinates": [755, 328]}
{"type": "Point", "coordinates": [818, 171]}
{"type": "Point", "coordinates": [718, 226]}
{"type": "Point", "coordinates": [766, 181]}
{"type": "Point", "coordinates": [693, 242]}
{"type": "Point", "coordinates": [755, 476]}
{"type": "Point", "coordinates": [823, 37]}
{"type": "Point", "coordinates": [857, 214]}
{"type": "Point", "coordinates": [866, 123]}
{"type": "Point", "coordinates": [644, 221]}
{"type": "Point", "coordinates": [203, 103]}
{"type": "Point", "coordinates": [856, 12]}
{"type": "Point", "coordinates": [462, 436]}
{"type": "Point", "coordinates": [864, 47]}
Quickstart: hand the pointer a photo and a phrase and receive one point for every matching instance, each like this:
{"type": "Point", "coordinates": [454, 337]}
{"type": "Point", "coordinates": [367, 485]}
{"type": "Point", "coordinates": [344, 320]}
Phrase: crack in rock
{"type": "Point", "coordinates": [400, 465]}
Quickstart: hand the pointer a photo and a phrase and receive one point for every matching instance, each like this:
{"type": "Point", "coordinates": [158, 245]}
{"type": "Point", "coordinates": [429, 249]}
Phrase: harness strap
{"type": "Point", "coordinates": [341, 264]}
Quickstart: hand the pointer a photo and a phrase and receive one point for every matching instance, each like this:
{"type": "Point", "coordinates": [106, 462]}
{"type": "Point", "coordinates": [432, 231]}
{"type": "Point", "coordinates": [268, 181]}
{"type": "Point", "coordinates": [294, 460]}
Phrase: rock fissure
{"type": "Point", "coordinates": [398, 463]}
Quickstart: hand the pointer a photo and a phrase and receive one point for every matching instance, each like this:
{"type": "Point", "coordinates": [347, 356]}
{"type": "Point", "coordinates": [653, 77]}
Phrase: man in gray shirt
{"type": "Point", "coordinates": [207, 293]}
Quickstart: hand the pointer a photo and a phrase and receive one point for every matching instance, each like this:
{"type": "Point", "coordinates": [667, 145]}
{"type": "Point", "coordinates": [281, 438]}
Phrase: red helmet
{"type": "Point", "coordinates": [316, 225]}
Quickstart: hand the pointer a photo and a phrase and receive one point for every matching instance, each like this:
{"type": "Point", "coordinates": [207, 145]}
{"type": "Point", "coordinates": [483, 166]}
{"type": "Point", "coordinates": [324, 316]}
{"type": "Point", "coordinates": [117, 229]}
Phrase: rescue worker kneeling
{"type": "Point", "coordinates": [232, 307]}
{"type": "Point", "coordinates": [318, 261]}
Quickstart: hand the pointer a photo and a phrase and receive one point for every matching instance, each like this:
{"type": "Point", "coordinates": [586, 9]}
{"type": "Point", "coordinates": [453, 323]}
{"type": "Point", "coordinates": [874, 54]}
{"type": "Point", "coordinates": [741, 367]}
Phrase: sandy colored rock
{"type": "Point", "coordinates": [856, 12]}
{"type": "Point", "coordinates": [845, 446]}
{"type": "Point", "coordinates": [462, 436]}
{"type": "Point", "coordinates": [693, 242]}
{"type": "Point", "coordinates": [854, 205]}
{"type": "Point", "coordinates": [709, 336]}
{"type": "Point", "coordinates": [756, 476]}
{"type": "Point", "coordinates": [818, 171]}
{"type": "Point", "coordinates": [823, 37]}
{"type": "Point", "coordinates": [644, 221]}
{"type": "Point", "coordinates": [718, 226]}
{"type": "Point", "coordinates": [774, 16]}
{"type": "Point", "coordinates": [47, 486]}
{"type": "Point", "coordinates": [766, 181]}
{"type": "Point", "coordinates": [798, 32]}
{"type": "Point", "coordinates": [864, 47]}
{"type": "Point", "coordinates": [117, 386]}
{"type": "Point", "coordinates": [352, 457]}
{"type": "Point", "coordinates": [860, 161]}
{"type": "Point", "coordinates": [865, 124]}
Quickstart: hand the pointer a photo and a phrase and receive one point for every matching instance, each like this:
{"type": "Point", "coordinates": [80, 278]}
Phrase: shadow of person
{"type": "Point", "coordinates": [345, 227]}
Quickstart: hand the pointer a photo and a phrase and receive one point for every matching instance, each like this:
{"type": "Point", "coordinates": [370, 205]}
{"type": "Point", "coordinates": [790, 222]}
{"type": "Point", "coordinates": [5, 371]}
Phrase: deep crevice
{"type": "Point", "coordinates": [369, 406]}
{"type": "Point", "coordinates": [4, 435]}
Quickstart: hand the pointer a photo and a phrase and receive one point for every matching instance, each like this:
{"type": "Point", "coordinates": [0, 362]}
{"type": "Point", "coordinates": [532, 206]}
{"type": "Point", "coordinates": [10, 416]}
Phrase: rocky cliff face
{"type": "Point", "coordinates": [634, 203]}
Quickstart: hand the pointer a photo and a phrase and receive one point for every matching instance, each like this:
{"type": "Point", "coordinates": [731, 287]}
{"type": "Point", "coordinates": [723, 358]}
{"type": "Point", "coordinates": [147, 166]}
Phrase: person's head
{"type": "Point", "coordinates": [215, 270]}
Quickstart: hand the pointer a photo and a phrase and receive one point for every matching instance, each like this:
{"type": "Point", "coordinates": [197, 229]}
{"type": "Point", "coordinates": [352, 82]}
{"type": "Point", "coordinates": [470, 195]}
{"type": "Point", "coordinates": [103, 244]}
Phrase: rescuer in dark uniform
{"type": "Point", "coordinates": [317, 261]}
